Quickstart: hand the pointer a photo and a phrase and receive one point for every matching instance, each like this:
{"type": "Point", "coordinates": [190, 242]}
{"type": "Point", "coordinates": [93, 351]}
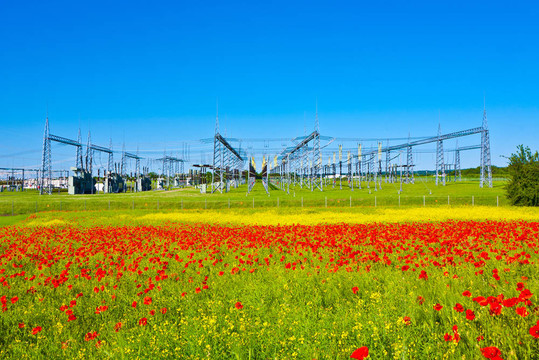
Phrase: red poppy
{"type": "Point", "coordinates": [470, 315]}
{"type": "Point", "coordinates": [239, 305]}
{"type": "Point", "coordinates": [163, 311]}
{"type": "Point", "coordinates": [134, 304]}
{"type": "Point", "coordinates": [71, 318]}
{"type": "Point", "coordinates": [360, 353]}
{"type": "Point", "coordinates": [522, 311]}
{"type": "Point", "coordinates": [21, 325]}
{"type": "Point", "coordinates": [437, 307]}
{"type": "Point", "coordinates": [147, 300]}
{"type": "Point", "coordinates": [90, 336]}
{"type": "Point", "coordinates": [143, 321]}
{"type": "Point", "coordinates": [459, 308]}
{"type": "Point", "coordinates": [118, 326]}
{"type": "Point", "coordinates": [534, 331]}
{"type": "Point", "coordinates": [14, 299]}
{"type": "Point", "coordinates": [467, 293]}
{"type": "Point", "coordinates": [491, 352]}
{"type": "Point", "coordinates": [448, 337]}
{"type": "Point", "coordinates": [36, 330]}
{"type": "Point", "coordinates": [355, 289]}
{"type": "Point", "coordinates": [407, 320]}
{"type": "Point", "coordinates": [152, 312]}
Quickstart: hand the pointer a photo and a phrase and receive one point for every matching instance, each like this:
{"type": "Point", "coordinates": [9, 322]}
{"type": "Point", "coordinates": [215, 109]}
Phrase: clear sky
{"type": "Point", "coordinates": [149, 73]}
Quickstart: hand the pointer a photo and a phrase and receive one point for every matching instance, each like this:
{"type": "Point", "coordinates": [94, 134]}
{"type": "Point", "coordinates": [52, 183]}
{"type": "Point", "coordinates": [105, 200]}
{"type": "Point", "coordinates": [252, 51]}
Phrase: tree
{"type": "Point", "coordinates": [523, 188]}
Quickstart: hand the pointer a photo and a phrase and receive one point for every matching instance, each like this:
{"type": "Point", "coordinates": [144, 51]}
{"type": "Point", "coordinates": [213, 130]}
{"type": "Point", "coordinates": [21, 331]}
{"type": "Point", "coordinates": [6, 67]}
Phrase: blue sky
{"type": "Point", "coordinates": [149, 74]}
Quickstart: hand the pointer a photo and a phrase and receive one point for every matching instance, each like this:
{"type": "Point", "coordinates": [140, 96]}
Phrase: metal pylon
{"type": "Point", "coordinates": [485, 154]}
{"type": "Point", "coordinates": [217, 159]}
{"type": "Point", "coordinates": [80, 163]}
{"type": "Point", "coordinates": [137, 165]}
{"type": "Point", "coordinates": [409, 165]}
{"type": "Point", "coordinates": [440, 166]}
{"type": "Point", "coordinates": [89, 154]}
{"type": "Point", "coordinates": [46, 168]}
{"type": "Point", "coordinates": [457, 162]}
{"type": "Point", "coordinates": [110, 162]}
{"type": "Point", "coordinates": [123, 165]}
{"type": "Point", "coordinates": [317, 156]}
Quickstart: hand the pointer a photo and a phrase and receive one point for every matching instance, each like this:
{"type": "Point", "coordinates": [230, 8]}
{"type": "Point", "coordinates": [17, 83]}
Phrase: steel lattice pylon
{"type": "Point", "coordinates": [79, 152]}
{"type": "Point", "coordinates": [46, 168]}
{"type": "Point", "coordinates": [440, 166]}
{"type": "Point", "coordinates": [485, 154]}
{"type": "Point", "coordinates": [317, 157]}
{"type": "Point", "coordinates": [409, 165]}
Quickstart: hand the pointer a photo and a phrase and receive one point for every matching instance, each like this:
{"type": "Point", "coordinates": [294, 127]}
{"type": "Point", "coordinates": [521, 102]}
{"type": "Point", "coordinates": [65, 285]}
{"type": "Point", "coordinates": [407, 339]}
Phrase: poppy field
{"type": "Point", "coordinates": [412, 290]}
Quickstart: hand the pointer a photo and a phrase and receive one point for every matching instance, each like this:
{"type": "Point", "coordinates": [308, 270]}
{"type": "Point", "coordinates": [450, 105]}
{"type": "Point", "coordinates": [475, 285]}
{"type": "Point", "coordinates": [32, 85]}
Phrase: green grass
{"type": "Point", "coordinates": [422, 192]}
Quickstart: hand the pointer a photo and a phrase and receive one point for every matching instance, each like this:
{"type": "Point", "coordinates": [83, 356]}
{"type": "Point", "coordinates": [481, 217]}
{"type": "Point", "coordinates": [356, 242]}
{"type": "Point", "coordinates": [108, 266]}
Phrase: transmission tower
{"type": "Point", "coordinates": [317, 159]}
{"type": "Point", "coordinates": [440, 166]}
{"type": "Point", "coordinates": [457, 162]}
{"type": "Point", "coordinates": [409, 163]}
{"type": "Point", "coordinates": [80, 163]}
{"type": "Point", "coordinates": [46, 171]}
{"type": "Point", "coordinates": [485, 153]}
{"type": "Point", "coordinates": [110, 162]}
{"type": "Point", "coordinates": [89, 154]}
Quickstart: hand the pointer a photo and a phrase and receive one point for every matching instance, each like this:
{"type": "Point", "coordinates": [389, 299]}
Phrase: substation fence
{"type": "Point", "coordinates": [21, 207]}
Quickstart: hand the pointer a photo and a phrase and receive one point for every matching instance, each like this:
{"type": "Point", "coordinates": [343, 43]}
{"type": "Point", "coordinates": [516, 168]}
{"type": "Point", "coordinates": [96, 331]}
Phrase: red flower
{"type": "Point", "coordinates": [36, 330]}
{"type": "Point", "coordinates": [456, 336]}
{"type": "Point", "coordinates": [360, 353]}
{"type": "Point", "coordinates": [448, 337]}
{"type": "Point", "coordinates": [152, 312]}
{"type": "Point", "coordinates": [437, 307]}
{"type": "Point", "coordinates": [467, 293]}
{"type": "Point", "coordinates": [134, 304]}
{"type": "Point", "coordinates": [420, 300]}
{"type": "Point", "coordinates": [423, 275]}
{"type": "Point", "coordinates": [197, 290]}
{"type": "Point", "coordinates": [355, 289]}
{"type": "Point", "coordinates": [118, 326]}
{"type": "Point", "coordinates": [470, 315]}
{"type": "Point", "coordinates": [90, 336]}
{"type": "Point", "coordinates": [522, 311]}
{"type": "Point", "coordinates": [21, 325]}
{"type": "Point", "coordinates": [239, 305]}
{"type": "Point", "coordinates": [407, 320]}
{"type": "Point", "coordinates": [143, 322]}
{"type": "Point", "coordinates": [534, 331]}
{"type": "Point", "coordinates": [147, 300]}
{"type": "Point", "coordinates": [163, 311]}
{"type": "Point", "coordinates": [491, 352]}
{"type": "Point", "coordinates": [459, 308]}
{"type": "Point", "coordinates": [71, 318]}
{"type": "Point", "coordinates": [14, 299]}
{"type": "Point", "coordinates": [96, 290]}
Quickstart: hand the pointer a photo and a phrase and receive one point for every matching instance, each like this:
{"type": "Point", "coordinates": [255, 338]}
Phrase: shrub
{"type": "Point", "coordinates": [523, 187]}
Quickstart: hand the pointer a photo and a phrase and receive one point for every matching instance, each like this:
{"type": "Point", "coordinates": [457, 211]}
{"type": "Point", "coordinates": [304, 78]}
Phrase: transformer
{"type": "Point", "coordinates": [114, 183]}
{"type": "Point", "coordinates": [81, 182]}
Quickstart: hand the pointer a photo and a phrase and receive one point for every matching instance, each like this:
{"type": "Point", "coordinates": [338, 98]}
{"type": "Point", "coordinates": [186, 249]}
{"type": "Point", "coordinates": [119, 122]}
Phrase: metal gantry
{"type": "Point", "coordinates": [45, 186]}
{"type": "Point", "coordinates": [228, 162]}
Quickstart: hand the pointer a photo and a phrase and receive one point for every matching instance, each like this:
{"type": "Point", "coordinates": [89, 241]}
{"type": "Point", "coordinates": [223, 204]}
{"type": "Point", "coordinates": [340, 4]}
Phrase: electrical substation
{"type": "Point", "coordinates": [226, 163]}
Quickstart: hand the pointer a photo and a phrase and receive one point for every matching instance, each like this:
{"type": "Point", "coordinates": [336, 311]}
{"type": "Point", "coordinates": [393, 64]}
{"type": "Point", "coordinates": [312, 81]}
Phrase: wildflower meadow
{"type": "Point", "coordinates": [408, 290]}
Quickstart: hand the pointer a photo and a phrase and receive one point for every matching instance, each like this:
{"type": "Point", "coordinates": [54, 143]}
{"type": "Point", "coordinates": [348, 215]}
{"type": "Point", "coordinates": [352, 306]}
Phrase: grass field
{"type": "Point", "coordinates": [271, 282]}
{"type": "Point", "coordinates": [413, 195]}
